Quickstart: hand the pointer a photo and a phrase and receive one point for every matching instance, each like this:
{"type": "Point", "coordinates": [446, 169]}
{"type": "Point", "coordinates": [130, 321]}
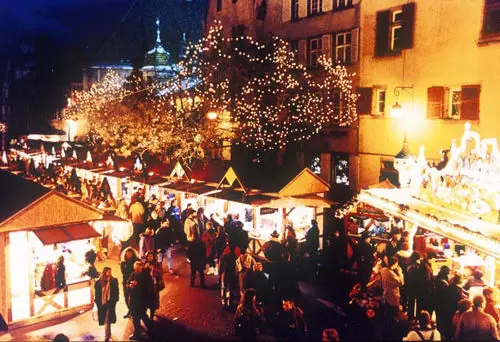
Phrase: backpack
{"type": "Point", "coordinates": [48, 280]}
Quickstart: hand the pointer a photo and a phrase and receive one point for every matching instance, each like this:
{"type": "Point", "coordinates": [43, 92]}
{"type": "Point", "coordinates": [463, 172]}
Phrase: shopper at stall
{"type": "Point", "coordinates": [153, 267]}
{"type": "Point", "coordinates": [273, 248]}
{"type": "Point", "coordinates": [425, 330]}
{"type": "Point", "coordinates": [365, 258]}
{"type": "Point", "coordinates": [425, 297]}
{"type": "Point", "coordinates": [476, 325]}
{"type": "Point", "coordinates": [201, 220]}
{"type": "Point", "coordinates": [442, 306]}
{"type": "Point", "coordinates": [290, 239]}
{"type": "Point", "coordinates": [209, 237]}
{"type": "Point", "coordinates": [154, 220]}
{"type": "Point", "coordinates": [248, 318]}
{"type": "Point", "coordinates": [260, 283]}
{"type": "Point", "coordinates": [489, 294]}
{"type": "Point", "coordinates": [136, 212]}
{"type": "Point", "coordinates": [140, 286]}
{"type": "Point", "coordinates": [128, 258]}
{"type": "Point", "coordinates": [146, 243]}
{"type": "Point", "coordinates": [60, 276]}
{"type": "Point", "coordinates": [228, 275]}
{"type": "Point", "coordinates": [394, 244]}
{"type": "Point", "coordinates": [412, 283]}
{"type": "Point", "coordinates": [164, 241]}
{"type": "Point", "coordinates": [106, 297]}
{"type": "Point", "coordinates": [312, 239]}
{"type": "Point", "coordinates": [187, 212]}
{"type": "Point", "coordinates": [290, 323]}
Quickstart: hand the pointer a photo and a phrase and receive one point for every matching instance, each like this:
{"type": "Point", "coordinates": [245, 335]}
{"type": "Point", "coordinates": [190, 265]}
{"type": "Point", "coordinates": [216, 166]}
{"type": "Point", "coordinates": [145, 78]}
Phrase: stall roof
{"type": "Point", "coordinates": [151, 180]}
{"type": "Point", "coordinates": [17, 193]}
{"type": "Point", "coordinates": [476, 233]}
{"type": "Point", "coordinates": [194, 188]}
{"type": "Point", "coordinates": [34, 206]}
{"type": "Point", "coordinates": [300, 201]}
{"type": "Point", "coordinates": [116, 174]}
{"type": "Point", "coordinates": [59, 234]}
{"type": "Point", "coordinates": [241, 197]}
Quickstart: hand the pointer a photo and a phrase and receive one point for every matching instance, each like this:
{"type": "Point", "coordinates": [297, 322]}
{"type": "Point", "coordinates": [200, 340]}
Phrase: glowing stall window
{"type": "Point", "coordinates": [269, 220]}
{"type": "Point", "coordinates": [301, 219]}
{"type": "Point", "coordinates": [245, 213]}
{"type": "Point", "coordinates": [19, 275]}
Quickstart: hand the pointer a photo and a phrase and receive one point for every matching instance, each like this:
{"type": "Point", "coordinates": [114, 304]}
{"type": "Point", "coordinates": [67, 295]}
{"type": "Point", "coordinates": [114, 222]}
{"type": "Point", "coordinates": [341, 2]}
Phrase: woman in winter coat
{"type": "Point", "coordinates": [154, 268]}
{"type": "Point", "coordinates": [106, 297]}
{"type": "Point", "coordinates": [209, 237]}
{"type": "Point", "coordinates": [128, 257]}
{"type": "Point", "coordinates": [228, 274]}
{"type": "Point", "coordinates": [146, 243]}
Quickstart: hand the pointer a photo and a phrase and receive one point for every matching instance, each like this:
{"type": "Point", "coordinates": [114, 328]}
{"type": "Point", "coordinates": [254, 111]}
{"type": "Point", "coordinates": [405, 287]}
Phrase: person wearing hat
{"type": "Point", "coordinates": [273, 248]}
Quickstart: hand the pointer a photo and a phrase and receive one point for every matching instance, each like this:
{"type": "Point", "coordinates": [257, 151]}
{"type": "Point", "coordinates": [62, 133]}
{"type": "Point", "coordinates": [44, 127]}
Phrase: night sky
{"type": "Point", "coordinates": [61, 37]}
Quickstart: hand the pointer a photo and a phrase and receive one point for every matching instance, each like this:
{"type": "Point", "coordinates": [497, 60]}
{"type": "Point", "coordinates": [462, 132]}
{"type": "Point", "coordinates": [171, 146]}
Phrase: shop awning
{"type": "Point", "coordinates": [300, 201]}
{"type": "Point", "coordinates": [52, 235]}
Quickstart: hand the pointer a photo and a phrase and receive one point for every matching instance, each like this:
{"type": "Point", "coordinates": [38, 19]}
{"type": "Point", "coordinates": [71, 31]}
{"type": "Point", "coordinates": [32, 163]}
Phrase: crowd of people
{"type": "Point", "coordinates": [410, 294]}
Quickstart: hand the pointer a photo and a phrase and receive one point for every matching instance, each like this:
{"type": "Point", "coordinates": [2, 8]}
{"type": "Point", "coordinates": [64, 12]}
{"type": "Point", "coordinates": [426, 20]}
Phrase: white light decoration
{"type": "Point", "coordinates": [138, 165]}
{"type": "Point", "coordinates": [74, 155]}
{"type": "Point", "coordinates": [89, 157]}
{"type": "Point", "coordinates": [63, 153]}
{"type": "Point", "coordinates": [109, 161]}
{"type": "Point", "coordinates": [53, 151]}
{"type": "Point", "coordinates": [4, 158]}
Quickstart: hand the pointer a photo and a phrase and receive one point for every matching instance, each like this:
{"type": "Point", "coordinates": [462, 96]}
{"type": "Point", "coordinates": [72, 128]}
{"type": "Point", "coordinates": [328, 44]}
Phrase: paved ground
{"type": "Point", "coordinates": [187, 314]}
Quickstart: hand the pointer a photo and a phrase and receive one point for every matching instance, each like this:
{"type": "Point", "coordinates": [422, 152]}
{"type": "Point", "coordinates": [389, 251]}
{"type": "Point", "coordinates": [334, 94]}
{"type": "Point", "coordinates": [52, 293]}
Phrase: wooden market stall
{"type": "Point", "coordinates": [451, 211]}
{"type": "Point", "coordinates": [37, 226]}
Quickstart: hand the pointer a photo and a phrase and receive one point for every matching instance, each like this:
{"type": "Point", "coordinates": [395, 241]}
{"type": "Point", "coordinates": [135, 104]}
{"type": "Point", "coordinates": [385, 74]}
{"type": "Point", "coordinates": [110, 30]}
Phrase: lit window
{"type": "Point", "coordinates": [316, 165]}
{"type": "Point", "coordinates": [341, 170]}
{"type": "Point", "coordinates": [396, 30]}
{"type": "Point", "coordinates": [343, 47]}
{"type": "Point", "coordinates": [314, 51]}
{"type": "Point", "coordinates": [455, 95]}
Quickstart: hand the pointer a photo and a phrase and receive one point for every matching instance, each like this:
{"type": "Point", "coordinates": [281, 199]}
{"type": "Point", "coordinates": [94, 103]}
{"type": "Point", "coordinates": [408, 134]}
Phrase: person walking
{"type": "Point", "coordinates": [228, 274]}
{"type": "Point", "coordinates": [128, 258]}
{"type": "Point", "coordinates": [164, 242]}
{"type": "Point", "coordinates": [106, 296]}
{"type": "Point", "coordinates": [248, 318]}
{"type": "Point", "coordinates": [146, 243]}
{"type": "Point", "coordinates": [290, 324]}
{"type": "Point", "coordinates": [209, 237]}
{"type": "Point", "coordinates": [153, 267]}
{"type": "Point", "coordinates": [195, 249]}
{"type": "Point", "coordinates": [140, 286]}
{"type": "Point", "coordinates": [136, 212]}
{"type": "Point", "coordinates": [173, 214]}
{"type": "Point", "coordinates": [475, 324]}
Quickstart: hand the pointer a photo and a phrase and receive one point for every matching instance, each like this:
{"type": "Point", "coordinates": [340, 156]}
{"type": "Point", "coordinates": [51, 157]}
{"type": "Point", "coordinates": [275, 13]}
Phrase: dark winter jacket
{"type": "Point", "coordinates": [111, 304]}
{"type": "Point", "coordinates": [164, 238]}
{"type": "Point", "coordinates": [140, 295]}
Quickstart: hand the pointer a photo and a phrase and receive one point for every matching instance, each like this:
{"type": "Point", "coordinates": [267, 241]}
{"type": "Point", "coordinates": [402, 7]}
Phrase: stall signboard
{"type": "Point", "coordinates": [268, 211]}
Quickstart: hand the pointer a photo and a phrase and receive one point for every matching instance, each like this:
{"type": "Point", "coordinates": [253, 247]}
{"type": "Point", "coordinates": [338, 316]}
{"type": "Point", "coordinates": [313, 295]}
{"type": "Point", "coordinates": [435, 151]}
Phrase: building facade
{"type": "Point", "coordinates": [439, 61]}
{"type": "Point", "coordinates": [313, 28]}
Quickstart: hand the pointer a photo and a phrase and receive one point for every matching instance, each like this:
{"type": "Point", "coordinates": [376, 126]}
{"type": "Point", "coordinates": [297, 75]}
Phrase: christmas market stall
{"type": "Point", "coordinates": [43, 239]}
{"type": "Point", "coordinates": [451, 210]}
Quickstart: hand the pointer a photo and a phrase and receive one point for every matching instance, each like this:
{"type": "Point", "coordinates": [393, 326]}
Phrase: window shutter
{"type": "Point", "coordinates": [334, 49]}
{"type": "Point", "coordinates": [303, 8]}
{"type": "Point", "coordinates": [286, 10]}
{"type": "Point", "coordinates": [382, 34]}
{"type": "Point", "coordinates": [365, 100]}
{"type": "Point", "coordinates": [303, 51]}
{"type": "Point", "coordinates": [326, 46]}
{"type": "Point", "coordinates": [469, 102]}
{"type": "Point", "coordinates": [355, 45]}
{"type": "Point", "coordinates": [408, 25]}
{"type": "Point", "coordinates": [327, 5]}
{"type": "Point", "coordinates": [435, 102]}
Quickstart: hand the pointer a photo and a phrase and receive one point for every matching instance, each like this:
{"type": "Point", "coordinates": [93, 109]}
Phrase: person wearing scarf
{"type": "Point", "coordinates": [106, 297]}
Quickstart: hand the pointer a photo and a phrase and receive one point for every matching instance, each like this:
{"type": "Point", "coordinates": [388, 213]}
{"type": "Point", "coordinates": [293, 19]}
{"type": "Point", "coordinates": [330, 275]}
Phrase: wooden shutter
{"type": "Point", "coordinates": [326, 46]}
{"type": "Point", "coordinates": [365, 100]}
{"type": "Point", "coordinates": [469, 102]}
{"type": "Point", "coordinates": [435, 102]}
{"type": "Point", "coordinates": [382, 33]}
{"type": "Point", "coordinates": [303, 51]}
{"type": "Point", "coordinates": [354, 45]}
{"type": "Point", "coordinates": [286, 10]}
{"type": "Point", "coordinates": [327, 5]}
{"type": "Point", "coordinates": [303, 8]}
{"type": "Point", "coordinates": [408, 25]}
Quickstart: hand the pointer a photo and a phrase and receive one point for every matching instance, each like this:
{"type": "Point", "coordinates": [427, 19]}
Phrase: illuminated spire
{"type": "Point", "coordinates": [158, 40]}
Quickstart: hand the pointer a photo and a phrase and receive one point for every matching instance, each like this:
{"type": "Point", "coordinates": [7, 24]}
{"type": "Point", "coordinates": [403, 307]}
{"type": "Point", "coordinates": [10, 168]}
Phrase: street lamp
{"type": "Point", "coordinates": [212, 115]}
{"type": "Point", "coordinates": [397, 108]}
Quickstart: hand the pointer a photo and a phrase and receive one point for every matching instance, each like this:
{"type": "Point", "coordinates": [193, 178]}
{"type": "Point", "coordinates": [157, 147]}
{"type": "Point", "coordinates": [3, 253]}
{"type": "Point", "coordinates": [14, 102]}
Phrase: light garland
{"type": "Point", "coordinates": [3, 127]}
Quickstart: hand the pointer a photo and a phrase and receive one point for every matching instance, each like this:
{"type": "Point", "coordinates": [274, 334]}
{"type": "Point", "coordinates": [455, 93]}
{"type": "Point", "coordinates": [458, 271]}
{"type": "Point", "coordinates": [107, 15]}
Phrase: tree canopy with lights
{"type": "Point", "coordinates": [226, 91]}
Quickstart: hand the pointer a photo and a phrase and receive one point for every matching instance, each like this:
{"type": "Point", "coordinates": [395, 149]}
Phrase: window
{"type": "Point", "coordinates": [458, 103]}
{"type": "Point", "coordinates": [491, 19]}
{"type": "Point", "coordinates": [343, 47]}
{"type": "Point", "coordinates": [394, 30]}
{"type": "Point", "coordinates": [455, 95]}
{"type": "Point", "coordinates": [314, 51]}
{"type": "Point", "coordinates": [340, 169]}
{"type": "Point", "coordinates": [341, 4]}
{"type": "Point", "coordinates": [380, 101]}
{"type": "Point", "coordinates": [314, 6]}
{"type": "Point", "coordinates": [219, 5]}
{"type": "Point", "coordinates": [295, 9]}
{"type": "Point", "coordinates": [316, 164]}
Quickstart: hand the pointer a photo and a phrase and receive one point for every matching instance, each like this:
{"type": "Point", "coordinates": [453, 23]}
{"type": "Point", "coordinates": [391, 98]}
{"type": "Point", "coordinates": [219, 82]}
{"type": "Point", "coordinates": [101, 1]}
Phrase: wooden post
{"type": "Point", "coordinates": [4, 269]}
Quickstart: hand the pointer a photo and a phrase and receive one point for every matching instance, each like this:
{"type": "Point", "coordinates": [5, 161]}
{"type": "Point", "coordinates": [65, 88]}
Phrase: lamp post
{"type": "Point", "coordinates": [403, 160]}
